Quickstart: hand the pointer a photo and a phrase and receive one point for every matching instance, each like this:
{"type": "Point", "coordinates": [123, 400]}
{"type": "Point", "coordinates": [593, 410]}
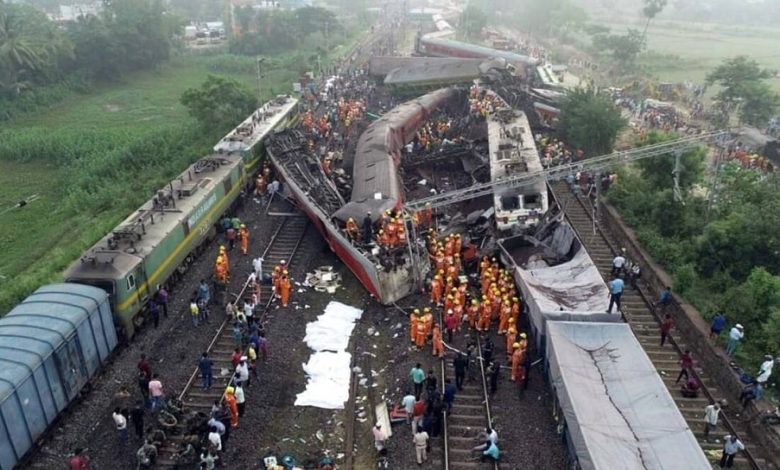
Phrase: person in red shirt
{"type": "Point", "coordinates": [451, 322]}
{"type": "Point", "coordinates": [686, 366]}
{"type": "Point", "coordinates": [666, 327]}
{"type": "Point", "coordinates": [77, 461]}
{"type": "Point", "coordinates": [143, 366]}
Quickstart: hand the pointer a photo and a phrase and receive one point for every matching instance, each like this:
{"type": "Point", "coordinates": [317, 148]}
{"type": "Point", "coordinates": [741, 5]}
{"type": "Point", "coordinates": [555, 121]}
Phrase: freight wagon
{"type": "Point", "coordinates": [51, 345]}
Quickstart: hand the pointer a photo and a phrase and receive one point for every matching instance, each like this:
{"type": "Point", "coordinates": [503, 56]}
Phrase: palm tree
{"type": "Point", "coordinates": [29, 46]}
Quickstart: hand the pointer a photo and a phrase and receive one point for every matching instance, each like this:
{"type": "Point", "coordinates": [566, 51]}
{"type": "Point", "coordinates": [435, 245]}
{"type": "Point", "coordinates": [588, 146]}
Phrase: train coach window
{"type": "Point", "coordinates": [510, 203]}
{"type": "Point", "coordinates": [131, 282]}
{"type": "Point", "coordinates": [531, 200]}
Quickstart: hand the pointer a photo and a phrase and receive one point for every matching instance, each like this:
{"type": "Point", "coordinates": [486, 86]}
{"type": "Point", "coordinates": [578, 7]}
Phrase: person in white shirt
{"type": "Point", "coordinates": [379, 437]}
{"type": "Point", "coordinates": [420, 440]}
{"type": "Point", "coordinates": [731, 446]}
{"type": "Point", "coordinates": [215, 440]}
{"type": "Point", "coordinates": [257, 264]}
{"type": "Point", "coordinates": [617, 264]}
{"type": "Point", "coordinates": [486, 437]}
{"type": "Point", "coordinates": [240, 399]}
{"type": "Point", "coordinates": [711, 413]}
{"type": "Point", "coordinates": [242, 371]}
{"type": "Point", "coordinates": [408, 404]}
{"type": "Point", "coordinates": [121, 425]}
{"type": "Point", "coordinates": [763, 375]}
{"type": "Point", "coordinates": [735, 336]}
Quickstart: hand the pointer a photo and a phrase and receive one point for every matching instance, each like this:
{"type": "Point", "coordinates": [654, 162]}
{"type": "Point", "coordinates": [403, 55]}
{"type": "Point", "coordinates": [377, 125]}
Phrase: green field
{"type": "Point", "coordinates": [91, 159]}
{"type": "Point", "coordinates": [697, 48]}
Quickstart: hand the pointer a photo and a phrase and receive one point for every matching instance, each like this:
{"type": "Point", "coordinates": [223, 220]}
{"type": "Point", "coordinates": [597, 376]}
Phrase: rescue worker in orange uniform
{"type": "Point", "coordinates": [457, 308]}
{"type": "Point", "coordinates": [352, 229]}
{"type": "Point", "coordinates": [243, 237]}
{"type": "Point", "coordinates": [504, 316]}
{"type": "Point", "coordinates": [383, 239]}
{"type": "Point", "coordinates": [511, 338]}
{"type": "Point", "coordinates": [414, 318]}
{"type": "Point", "coordinates": [484, 317]}
{"type": "Point", "coordinates": [428, 321]}
{"type": "Point", "coordinates": [523, 341]}
{"type": "Point", "coordinates": [285, 286]}
{"type": "Point", "coordinates": [515, 309]}
{"type": "Point", "coordinates": [230, 400]}
{"type": "Point", "coordinates": [276, 276]}
{"type": "Point", "coordinates": [483, 265]}
{"type": "Point", "coordinates": [225, 259]}
{"type": "Point", "coordinates": [427, 214]}
{"type": "Point", "coordinates": [220, 274]}
{"type": "Point", "coordinates": [473, 313]}
{"type": "Point", "coordinates": [438, 347]}
{"type": "Point", "coordinates": [436, 290]}
{"type": "Point", "coordinates": [420, 335]}
{"type": "Point", "coordinates": [517, 361]}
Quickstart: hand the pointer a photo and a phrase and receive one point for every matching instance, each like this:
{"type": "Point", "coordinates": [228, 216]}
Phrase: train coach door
{"type": "Point", "coordinates": [70, 365]}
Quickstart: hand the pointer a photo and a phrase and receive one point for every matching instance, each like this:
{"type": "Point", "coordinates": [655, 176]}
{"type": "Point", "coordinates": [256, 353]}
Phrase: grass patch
{"type": "Point", "coordinates": [697, 48]}
{"type": "Point", "coordinates": [93, 158]}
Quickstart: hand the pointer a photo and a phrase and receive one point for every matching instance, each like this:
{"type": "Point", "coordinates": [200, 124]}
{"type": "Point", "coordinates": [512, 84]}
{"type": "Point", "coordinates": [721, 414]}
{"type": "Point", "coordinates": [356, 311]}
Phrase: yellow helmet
{"type": "Point", "coordinates": [427, 310]}
{"type": "Point", "coordinates": [512, 330]}
{"type": "Point", "coordinates": [523, 335]}
{"type": "Point", "coordinates": [417, 311]}
{"type": "Point", "coordinates": [221, 249]}
{"type": "Point", "coordinates": [230, 391]}
{"type": "Point", "coordinates": [220, 259]}
{"type": "Point", "coordinates": [474, 301]}
{"type": "Point", "coordinates": [516, 346]}
{"type": "Point", "coordinates": [243, 225]}
{"type": "Point", "coordinates": [515, 299]}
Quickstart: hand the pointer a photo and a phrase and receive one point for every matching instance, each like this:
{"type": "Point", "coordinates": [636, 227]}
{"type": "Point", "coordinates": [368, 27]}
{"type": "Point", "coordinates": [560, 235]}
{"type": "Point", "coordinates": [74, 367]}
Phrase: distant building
{"type": "Point", "coordinates": [69, 13]}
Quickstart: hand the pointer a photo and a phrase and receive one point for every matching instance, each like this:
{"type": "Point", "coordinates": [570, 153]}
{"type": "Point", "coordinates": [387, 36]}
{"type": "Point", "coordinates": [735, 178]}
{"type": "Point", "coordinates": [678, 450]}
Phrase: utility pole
{"type": "Point", "coordinates": [676, 175]}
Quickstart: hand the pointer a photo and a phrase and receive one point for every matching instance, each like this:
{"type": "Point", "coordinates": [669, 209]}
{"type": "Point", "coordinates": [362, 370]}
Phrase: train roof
{"type": "Point", "coordinates": [35, 328]}
{"type": "Point", "coordinates": [243, 137]}
{"type": "Point", "coordinates": [380, 66]}
{"type": "Point", "coordinates": [463, 71]}
{"type": "Point", "coordinates": [618, 411]}
{"type": "Point", "coordinates": [182, 201]}
{"type": "Point", "coordinates": [512, 151]}
{"type": "Point", "coordinates": [486, 51]}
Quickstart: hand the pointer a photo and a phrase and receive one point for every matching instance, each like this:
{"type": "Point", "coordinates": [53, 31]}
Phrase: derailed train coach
{"type": "Point", "coordinates": [436, 46]}
{"type": "Point", "coordinates": [51, 345]}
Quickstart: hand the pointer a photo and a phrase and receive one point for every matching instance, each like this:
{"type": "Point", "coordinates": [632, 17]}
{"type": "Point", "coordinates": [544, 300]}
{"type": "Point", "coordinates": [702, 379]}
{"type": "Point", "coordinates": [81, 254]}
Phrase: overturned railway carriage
{"type": "Point", "coordinates": [376, 187]}
{"type": "Point", "coordinates": [437, 46]}
{"type": "Point", "coordinates": [51, 345]}
{"type": "Point", "coordinates": [155, 243]}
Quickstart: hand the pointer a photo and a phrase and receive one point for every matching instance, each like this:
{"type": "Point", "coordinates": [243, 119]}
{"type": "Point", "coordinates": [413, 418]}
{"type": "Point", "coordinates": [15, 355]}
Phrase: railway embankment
{"type": "Point", "coordinates": [694, 329]}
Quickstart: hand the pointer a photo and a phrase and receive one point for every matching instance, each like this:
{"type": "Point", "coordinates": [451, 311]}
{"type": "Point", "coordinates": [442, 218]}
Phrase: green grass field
{"type": "Point", "coordinates": [39, 240]}
{"type": "Point", "coordinates": [700, 47]}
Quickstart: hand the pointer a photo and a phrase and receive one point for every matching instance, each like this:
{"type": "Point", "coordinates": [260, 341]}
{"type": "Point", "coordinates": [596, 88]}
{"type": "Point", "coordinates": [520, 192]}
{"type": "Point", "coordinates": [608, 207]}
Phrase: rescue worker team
{"type": "Point", "coordinates": [497, 303]}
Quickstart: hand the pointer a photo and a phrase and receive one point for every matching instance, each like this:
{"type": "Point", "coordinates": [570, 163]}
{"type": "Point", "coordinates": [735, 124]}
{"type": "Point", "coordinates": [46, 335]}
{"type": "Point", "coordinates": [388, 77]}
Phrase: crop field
{"type": "Point", "coordinates": [93, 158]}
{"type": "Point", "coordinates": [689, 51]}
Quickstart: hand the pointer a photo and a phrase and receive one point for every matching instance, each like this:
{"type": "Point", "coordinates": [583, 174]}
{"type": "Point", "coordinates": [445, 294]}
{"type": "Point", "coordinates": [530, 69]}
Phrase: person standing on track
{"type": "Point", "coordinates": [240, 399]}
{"type": "Point", "coordinates": [121, 425]}
{"type": "Point", "coordinates": [449, 395]}
{"type": "Point", "coordinates": [616, 286]}
{"type": "Point", "coordinates": [460, 363]}
{"type": "Point", "coordinates": [618, 262]}
{"type": "Point", "coordinates": [451, 322]}
{"type": "Point", "coordinates": [438, 346]}
{"type": "Point", "coordinates": [666, 328]}
{"type": "Point", "coordinates": [243, 238]}
{"type": "Point", "coordinates": [156, 392]}
{"type": "Point", "coordinates": [205, 364]}
{"type": "Point", "coordinates": [717, 325]}
{"type": "Point", "coordinates": [731, 447]}
{"type": "Point", "coordinates": [420, 440]}
{"type": "Point", "coordinates": [418, 377]}
{"type": "Point", "coordinates": [493, 372]}
{"type": "Point", "coordinates": [230, 401]}
{"type": "Point", "coordinates": [137, 417]}
{"type": "Point", "coordinates": [285, 287]}
{"type": "Point", "coordinates": [711, 413]}
{"type": "Point", "coordinates": [408, 403]}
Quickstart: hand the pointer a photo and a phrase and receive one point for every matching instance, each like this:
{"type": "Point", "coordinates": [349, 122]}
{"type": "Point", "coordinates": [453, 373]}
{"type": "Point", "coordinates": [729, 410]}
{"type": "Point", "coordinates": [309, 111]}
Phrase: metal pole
{"type": "Point", "coordinates": [259, 84]}
{"type": "Point", "coordinates": [596, 205]}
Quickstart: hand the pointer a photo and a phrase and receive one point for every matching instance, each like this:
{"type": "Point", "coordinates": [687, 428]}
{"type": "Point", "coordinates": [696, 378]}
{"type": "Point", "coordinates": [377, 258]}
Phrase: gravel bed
{"type": "Point", "coordinates": [172, 349]}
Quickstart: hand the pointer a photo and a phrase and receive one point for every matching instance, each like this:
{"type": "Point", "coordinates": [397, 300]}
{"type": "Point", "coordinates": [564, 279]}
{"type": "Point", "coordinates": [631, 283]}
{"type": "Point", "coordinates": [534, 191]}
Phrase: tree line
{"type": "Point", "coordinates": [36, 53]}
{"type": "Point", "coordinates": [277, 31]}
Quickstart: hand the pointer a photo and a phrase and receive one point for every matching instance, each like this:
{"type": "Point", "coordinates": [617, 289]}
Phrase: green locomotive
{"type": "Point", "coordinates": [156, 241]}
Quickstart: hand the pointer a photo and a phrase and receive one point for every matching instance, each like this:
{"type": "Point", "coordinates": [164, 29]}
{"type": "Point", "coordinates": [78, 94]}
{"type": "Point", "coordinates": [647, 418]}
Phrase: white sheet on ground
{"type": "Point", "coordinates": [328, 369]}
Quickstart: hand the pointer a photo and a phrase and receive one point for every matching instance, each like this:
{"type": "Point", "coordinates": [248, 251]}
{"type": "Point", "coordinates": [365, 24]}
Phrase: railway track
{"type": "Point", "coordinates": [470, 414]}
{"type": "Point", "coordinates": [645, 323]}
{"type": "Point", "coordinates": [284, 245]}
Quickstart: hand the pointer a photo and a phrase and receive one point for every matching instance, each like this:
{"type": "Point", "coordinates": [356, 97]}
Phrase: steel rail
{"type": "Point", "coordinates": [649, 304]}
{"type": "Point", "coordinates": [225, 322]}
